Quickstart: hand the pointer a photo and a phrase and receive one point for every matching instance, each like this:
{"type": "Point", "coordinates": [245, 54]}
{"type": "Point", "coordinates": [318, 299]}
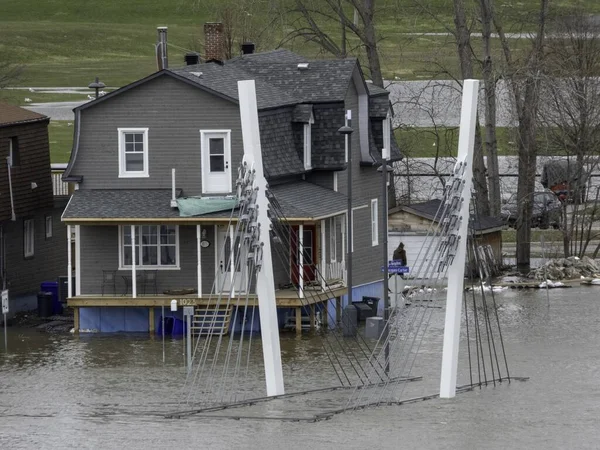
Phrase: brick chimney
{"type": "Point", "coordinates": [213, 41]}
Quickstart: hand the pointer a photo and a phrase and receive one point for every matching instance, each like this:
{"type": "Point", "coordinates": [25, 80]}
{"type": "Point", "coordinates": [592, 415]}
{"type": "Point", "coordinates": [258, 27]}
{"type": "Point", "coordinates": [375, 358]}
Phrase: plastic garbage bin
{"type": "Point", "coordinates": [44, 304]}
{"type": "Point", "coordinates": [363, 310]}
{"type": "Point", "coordinates": [373, 302]}
{"type": "Point", "coordinates": [52, 287]}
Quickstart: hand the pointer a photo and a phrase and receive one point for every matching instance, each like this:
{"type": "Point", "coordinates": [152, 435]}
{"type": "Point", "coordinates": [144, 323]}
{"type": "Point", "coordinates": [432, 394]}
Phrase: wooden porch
{"type": "Point", "coordinates": [285, 298]}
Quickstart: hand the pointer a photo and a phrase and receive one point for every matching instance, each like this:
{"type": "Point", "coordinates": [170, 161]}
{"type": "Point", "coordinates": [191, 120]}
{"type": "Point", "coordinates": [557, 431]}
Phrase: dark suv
{"type": "Point", "coordinates": [547, 210]}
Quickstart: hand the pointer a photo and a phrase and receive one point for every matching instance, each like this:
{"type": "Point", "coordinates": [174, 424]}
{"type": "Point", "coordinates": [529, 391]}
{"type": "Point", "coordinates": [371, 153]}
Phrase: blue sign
{"type": "Point", "coordinates": [396, 269]}
{"type": "Point", "coordinates": [396, 263]}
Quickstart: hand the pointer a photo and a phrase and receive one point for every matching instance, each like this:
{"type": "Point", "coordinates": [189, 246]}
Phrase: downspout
{"type": "Point", "coordinates": [13, 217]}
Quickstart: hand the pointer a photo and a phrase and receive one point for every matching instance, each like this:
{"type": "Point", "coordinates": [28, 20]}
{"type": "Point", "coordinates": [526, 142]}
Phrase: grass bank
{"type": "Point", "coordinates": [69, 42]}
{"type": "Point", "coordinates": [60, 134]}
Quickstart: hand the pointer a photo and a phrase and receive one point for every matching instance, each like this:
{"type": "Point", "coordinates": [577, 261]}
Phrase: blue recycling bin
{"type": "Point", "coordinates": [174, 326]}
{"type": "Point", "coordinates": [52, 286]}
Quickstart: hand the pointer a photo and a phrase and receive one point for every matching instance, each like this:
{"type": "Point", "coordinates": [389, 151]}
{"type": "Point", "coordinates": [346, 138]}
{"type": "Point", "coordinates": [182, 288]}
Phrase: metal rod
{"type": "Point", "coordinates": [384, 228]}
{"type": "Point", "coordinates": [163, 330]}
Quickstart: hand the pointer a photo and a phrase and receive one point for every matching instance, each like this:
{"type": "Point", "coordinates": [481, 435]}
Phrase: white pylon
{"type": "Point", "coordinates": [456, 270]}
{"type": "Point", "coordinates": [265, 287]}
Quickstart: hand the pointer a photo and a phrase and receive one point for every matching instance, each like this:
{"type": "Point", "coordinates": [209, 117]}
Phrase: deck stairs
{"type": "Point", "coordinates": [212, 319]}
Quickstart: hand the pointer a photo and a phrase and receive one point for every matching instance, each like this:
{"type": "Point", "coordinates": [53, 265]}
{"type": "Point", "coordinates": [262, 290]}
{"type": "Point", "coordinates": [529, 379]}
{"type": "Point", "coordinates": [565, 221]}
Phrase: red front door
{"type": "Point", "coordinates": [309, 243]}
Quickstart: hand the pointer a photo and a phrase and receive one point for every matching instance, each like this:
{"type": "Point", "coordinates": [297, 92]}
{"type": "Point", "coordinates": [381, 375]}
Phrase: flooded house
{"type": "Point", "coordinates": [144, 152]}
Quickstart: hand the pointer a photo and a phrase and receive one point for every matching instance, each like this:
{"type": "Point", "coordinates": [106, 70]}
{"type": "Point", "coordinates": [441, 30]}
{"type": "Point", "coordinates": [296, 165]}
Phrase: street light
{"type": "Point", "coordinates": [385, 169]}
{"type": "Point", "coordinates": [347, 131]}
{"type": "Point", "coordinates": [97, 85]}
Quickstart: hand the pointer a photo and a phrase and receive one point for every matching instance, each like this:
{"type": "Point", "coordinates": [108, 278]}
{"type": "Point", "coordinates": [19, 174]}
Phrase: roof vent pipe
{"type": "Point", "coordinates": [173, 196]}
{"type": "Point", "coordinates": [192, 58]}
{"type": "Point", "coordinates": [162, 60]}
{"type": "Point", "coordinates": [303, 66]}
{"type": "Point", "coordinates": [248, 48]}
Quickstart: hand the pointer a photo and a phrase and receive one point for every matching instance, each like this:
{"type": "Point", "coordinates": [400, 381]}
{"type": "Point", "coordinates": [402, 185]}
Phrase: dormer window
{"type": "Point", "coordinates": [308, 142]}
{"type": "Point", "coordinates": [133, 152]}
{"type": "Point", "coordinates": [387, 134]}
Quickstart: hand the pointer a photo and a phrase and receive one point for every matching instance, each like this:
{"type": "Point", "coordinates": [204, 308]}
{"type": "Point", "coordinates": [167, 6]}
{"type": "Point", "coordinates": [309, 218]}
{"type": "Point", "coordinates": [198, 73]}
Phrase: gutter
{"type": "Point", "coordinates": [13, 217]}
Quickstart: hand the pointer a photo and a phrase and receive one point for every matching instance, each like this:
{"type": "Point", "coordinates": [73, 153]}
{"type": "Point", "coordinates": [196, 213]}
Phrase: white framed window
{"type": "Point", "coordinates": [48, 226]}
{"type": "Point", "coordinates": [387, 135]}
{"type": "Point", "coordinates": [156, 247]}
{"type": "Point", "coordinates": [374, 222]}
{"type": "Point", "coordinates": [28, 238]}
{"type": "Point", "coordinates": [308, 143]}
{"type": "Point", "coordinates": [133, 152]}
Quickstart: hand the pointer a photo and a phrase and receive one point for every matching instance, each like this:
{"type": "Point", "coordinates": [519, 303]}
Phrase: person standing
{"type": "Point", "coordinates": [400, 254]}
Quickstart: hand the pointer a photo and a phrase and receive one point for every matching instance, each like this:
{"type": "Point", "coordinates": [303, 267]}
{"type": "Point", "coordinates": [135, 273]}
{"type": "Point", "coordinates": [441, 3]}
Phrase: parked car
{"type": "Point", "coordinates": [547, 210]}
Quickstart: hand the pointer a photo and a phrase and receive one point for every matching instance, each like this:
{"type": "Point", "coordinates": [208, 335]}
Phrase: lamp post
{"type": "Point", "coordinates": [384, 169]}
{"type": "Point", "coordinates": [347, 131]}
{"type": "Point", "coordinates": [97, 85]}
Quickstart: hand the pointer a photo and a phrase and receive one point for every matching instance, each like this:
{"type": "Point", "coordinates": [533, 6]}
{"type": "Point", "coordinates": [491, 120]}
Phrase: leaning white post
{"type": "Point", "coordinates": [69, 264]}
{"type": "Point", "coordinates": [265, 284]}
{"type": "Point", "coordinates": [133, 254]}
{"type": "Point", "coordinates": [456, 271]}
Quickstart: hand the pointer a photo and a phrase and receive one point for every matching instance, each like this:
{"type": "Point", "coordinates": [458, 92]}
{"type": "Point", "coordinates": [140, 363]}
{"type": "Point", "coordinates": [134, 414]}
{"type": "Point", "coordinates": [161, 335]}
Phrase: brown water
{"type": "Point", "coordinates": [111, 392]}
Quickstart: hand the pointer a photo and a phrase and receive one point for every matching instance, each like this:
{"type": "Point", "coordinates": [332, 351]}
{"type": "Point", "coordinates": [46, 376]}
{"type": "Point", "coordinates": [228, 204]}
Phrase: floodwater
{"type": "Point", "coordinates": [111, 392]}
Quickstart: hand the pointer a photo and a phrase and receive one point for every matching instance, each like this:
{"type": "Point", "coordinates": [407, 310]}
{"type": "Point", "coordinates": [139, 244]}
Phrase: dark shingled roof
{"type": "Point", "coordinates": [280, 156]}
{"type": "Point", "coordinates": [302, 113]}
{"type": "Point", "coordinates": [302, 199]}
{"type": "Point", "coordinates": [429, 210]}
{"type": "Point", "coordinates": [224, 78]}
{"type": "Point", "coordinates": [379, 106]}
{"type": "Point", "coordinates": [14, 115]}
{"type": "Point", "coordinates": [376, 90]}
{"type": "Point", "coordinates": [328, 151]}
{"type": "Point", "coordinates": [298, 200]}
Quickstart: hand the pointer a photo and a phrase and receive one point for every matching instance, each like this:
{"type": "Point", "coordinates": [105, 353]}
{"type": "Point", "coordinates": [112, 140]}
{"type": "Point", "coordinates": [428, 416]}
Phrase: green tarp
{"type": "Point", "coordinates": [197, 206]}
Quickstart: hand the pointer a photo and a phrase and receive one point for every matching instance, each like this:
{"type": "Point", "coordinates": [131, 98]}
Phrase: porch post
{"type": "Point", "coordinates": [199, 263]}
{"type": "Point", "coordinates": [77, 259]}
{"type": "Point", "coordinates": [343, 230]}
{"type": "Point", "coordinates": [301, 261]}
{"type": "Point", "coordinates": [312, 317]}
{"type": "Point", "coordinates": [133, 255]}
{"type": "Point", "coordinates": [232, 258]}
{"type": "Point", "coordinates": [323, 259]}
{"type": "Point", "coordinates": [69, 264]}
{"type": "Point", "coordinates": [299, 320]}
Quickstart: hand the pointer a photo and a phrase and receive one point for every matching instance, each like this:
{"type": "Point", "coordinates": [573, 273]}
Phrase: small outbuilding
{"type": "Point", "coordinates": [410, 225]}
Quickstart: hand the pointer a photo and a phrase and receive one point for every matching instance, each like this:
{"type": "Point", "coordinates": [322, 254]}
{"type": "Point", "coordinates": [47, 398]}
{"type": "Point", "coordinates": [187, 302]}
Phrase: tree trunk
{"type": "Point", "coordinates": [491, 143]}
{"type": "Point", "coordinates": [463, 42]}
{"type": "Point", "coordinates": [370, 43]}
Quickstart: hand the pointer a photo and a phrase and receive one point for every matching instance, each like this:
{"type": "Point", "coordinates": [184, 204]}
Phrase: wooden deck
{"type": "Point", "coordinates": [287, 298]}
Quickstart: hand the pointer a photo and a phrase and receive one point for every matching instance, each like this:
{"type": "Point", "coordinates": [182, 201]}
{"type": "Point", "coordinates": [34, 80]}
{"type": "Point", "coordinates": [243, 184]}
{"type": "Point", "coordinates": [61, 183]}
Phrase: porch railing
{"type": "Point", "coordinates": [333, 271]}
{"type": "Point", "coordinates": [59, 187]}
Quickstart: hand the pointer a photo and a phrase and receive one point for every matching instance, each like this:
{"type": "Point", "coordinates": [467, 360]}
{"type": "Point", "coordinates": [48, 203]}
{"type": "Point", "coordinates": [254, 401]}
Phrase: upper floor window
{"type": "Point", "coordinates": [156, 246]}
{"type": "Point", "coordinates": [14, 157]}
{"type": "Point", "coordinates": [28, 238]}
{"type": "Point", "coordinates": [133, 152]}
{"type": "Point", "coordinates": [387, 135]}
{"type": "Point", "coordinates": [308, 142]}
{"type": "Point", "coordinates": [374, 222]}
{"type": "Point", "coordinates": [48, 227]}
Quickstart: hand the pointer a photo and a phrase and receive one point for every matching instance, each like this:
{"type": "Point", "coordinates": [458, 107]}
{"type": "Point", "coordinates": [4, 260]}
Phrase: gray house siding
{"type": "Point", "coordinates": [24, 275]}
{"type": "Point", "coordinates": [174, 113]}
{"type": "Point", "coordinates": [323, 178]}
{"type": "Point", "coordinates": [100, 251]}
{"type": "Point", "coordinates": [366, 185]}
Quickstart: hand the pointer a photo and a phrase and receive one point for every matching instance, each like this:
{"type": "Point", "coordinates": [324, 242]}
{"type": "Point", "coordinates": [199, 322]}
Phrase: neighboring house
{"type": "Point", "coordinates": [33, 240]}
{"type": "Point", "coordinates": [411, 225]}
{"type": "Point", "coordinates": [128, 142]}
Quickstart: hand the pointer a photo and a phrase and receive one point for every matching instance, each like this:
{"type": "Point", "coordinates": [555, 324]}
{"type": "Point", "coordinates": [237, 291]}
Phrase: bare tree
{"type": "Point", "coordinates": [489, 80]}
{"type": "Point", "coordinates": [571, 120]}
{"type": "Point", "coordinates": [314, 17]}
{"type": "Point", "coordinates": [463, 44]}
{"type": "Point", "coordinates": [9, 71]}
{"type": "Point", "coordinates": [524, 83]}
